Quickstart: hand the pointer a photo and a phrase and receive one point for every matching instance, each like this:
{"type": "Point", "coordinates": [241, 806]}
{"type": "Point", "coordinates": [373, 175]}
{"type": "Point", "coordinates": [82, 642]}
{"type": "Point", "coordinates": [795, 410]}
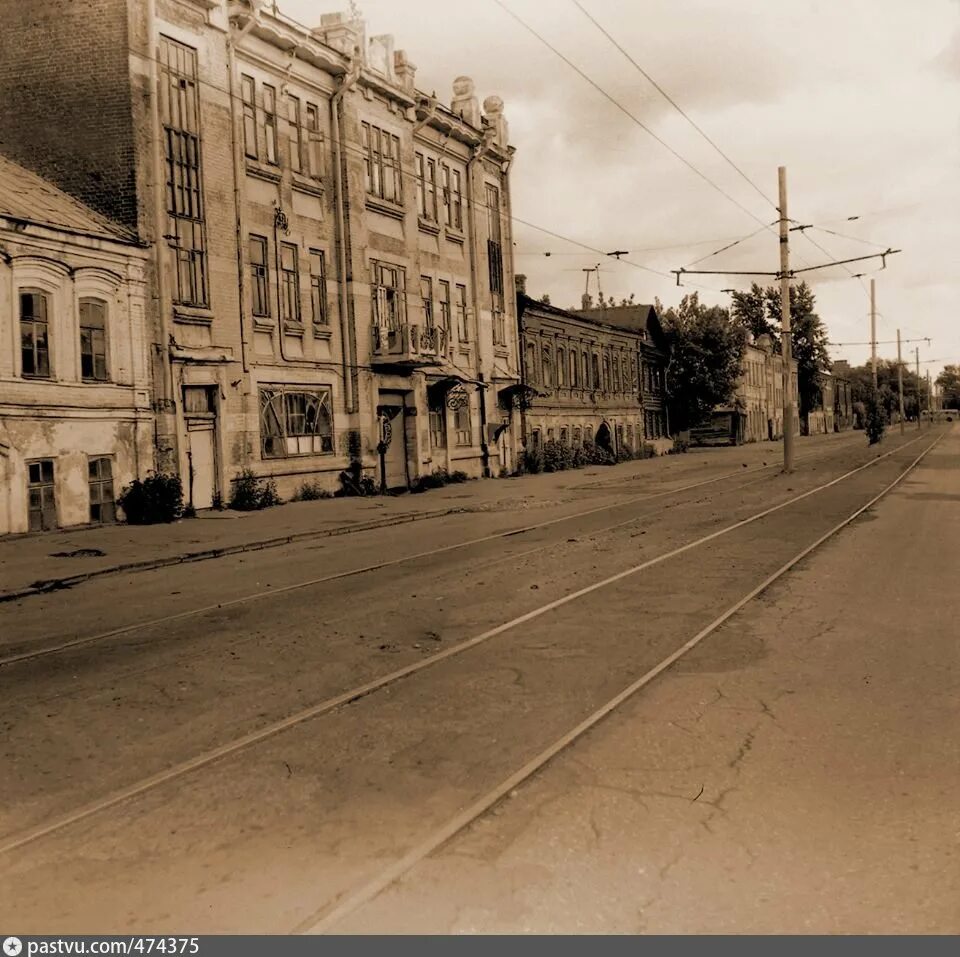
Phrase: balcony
{"type": "Point", "coordinates": [408, 345]}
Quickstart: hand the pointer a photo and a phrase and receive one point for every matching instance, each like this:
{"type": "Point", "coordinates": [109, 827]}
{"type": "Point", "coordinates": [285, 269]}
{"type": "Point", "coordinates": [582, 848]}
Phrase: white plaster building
{"type": "Point", "coordinates": [76, 423]}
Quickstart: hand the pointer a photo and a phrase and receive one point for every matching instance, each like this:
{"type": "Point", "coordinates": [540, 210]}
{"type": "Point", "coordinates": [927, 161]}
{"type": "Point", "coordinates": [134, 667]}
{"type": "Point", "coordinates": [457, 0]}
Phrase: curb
{"type": "Point", "coordinates": [56, 584]}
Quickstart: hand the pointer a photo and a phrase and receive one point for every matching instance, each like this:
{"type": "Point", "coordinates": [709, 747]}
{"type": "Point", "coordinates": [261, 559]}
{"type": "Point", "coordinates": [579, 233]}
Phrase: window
{"type": "Point", "coordinates": [463, 328]}
{"type": "Point", "coordinates": [577, 437]}
{"type": "Point", "coordinates": [388, 295]}
{"type": "Point", "coordinates": [531, 369]}
{"type": "Point", "coordinates": [588, 434]}
{"type": "Point", "coordinates": [270, 123]}
{"type": "Point", "coordinates": [561, 367]}
{"type": "Point", "coordinates": [438, 423]}
{"type": "Point", "coordinates": [495, 264]}
{"type": "Point", "coordinates": [547, 368]}
{"type": "Point", "coordinates": [463, 426]}
{"type": "Point", "coordinates": [452, 193]}
{"type": "Point", "coordinates": [426, 170]}
{"type": "Point", "coordinates": [382, 163]}
{"type": "Point", "coordinates": [34, 332]}
{"type": "Point", "coordinates": [180, 115]}
{"type": "Point", "coordinates": [605, 385]}
{"type": "Point", "coordinates": [586, 371]}
{"type": "Point", "coordinates": [314, 144]}
{"type": "Point", "coordinates": [426, 298]}
{"type": "Point", "coordinates": [259, 277]}
{"type": "Point", "coordinates": [248, 96]}
{"type": "Point", "coordinates": [574, 363]}
{"type": "Point", "coordinates": [318, 288]}
{"type": "Point", "coordinates": [296, 138]}
{"type": "Point", "coordinates": [42, 505]}
{"type": "Point", "coordinates": [93, 340]}
{"type": "Point", "coordinates": [624, 373]}
{"type": "Point", "coordinates": [102, 506]}
{"type": "Point", "coordinates": [445, 308]}
{"type": "Point", "coordinates": [616, 375]}
{"type": "Point", "coordinates": [289, 284]}
{"type": "Point", "coordinates": [595, 369]}
{"type": "Point", "coordinates": [295, 421]}
{"type": "Point", "coordinates": [564, 437]}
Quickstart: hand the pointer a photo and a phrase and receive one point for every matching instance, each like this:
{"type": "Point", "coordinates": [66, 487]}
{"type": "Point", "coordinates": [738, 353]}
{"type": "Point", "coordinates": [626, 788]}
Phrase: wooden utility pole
{"type": "Point", "coordinates": [873, 331]}
{"type": "Point", "coordinates": [785, 336]}
{"type": "Point", "coordinates": [900, 381]}
{"type": "Point", "coordinates": [919, 425]}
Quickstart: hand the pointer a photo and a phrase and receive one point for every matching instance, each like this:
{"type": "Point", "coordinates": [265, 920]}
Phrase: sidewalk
{"type": "Point", "coordinates": [32, 564]}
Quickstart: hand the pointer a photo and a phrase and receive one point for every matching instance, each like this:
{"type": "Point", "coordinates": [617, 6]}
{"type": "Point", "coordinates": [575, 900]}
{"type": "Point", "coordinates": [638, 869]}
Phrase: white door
{"type": "Point", "coordinates": [203, 474]}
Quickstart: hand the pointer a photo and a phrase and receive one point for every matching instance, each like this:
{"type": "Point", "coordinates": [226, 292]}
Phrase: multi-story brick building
{"type": "Point", "coordinates": [583, 378]}
{"type": "Point", "coordinates": [76, 423]}
{"type": "Point", "coordinates": [653, 357]}
{"type": "Point", "coordinates": [331, 246]}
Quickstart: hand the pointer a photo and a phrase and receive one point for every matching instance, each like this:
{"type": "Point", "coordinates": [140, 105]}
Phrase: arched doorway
{"type": "Point", "coordinates": [604, 439]}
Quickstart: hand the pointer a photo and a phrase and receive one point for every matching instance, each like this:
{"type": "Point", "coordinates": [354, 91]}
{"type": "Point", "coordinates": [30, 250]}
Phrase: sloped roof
{"type": "Point", "coordinates": [26, 196]}
{"type": "Point", "coordinates": [635, 318]}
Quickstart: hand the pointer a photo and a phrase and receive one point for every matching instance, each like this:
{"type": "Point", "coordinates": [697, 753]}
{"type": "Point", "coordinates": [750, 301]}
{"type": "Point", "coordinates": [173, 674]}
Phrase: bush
{"type": "Point", "coordinates": [437, 479]}
{"type": "Point", "coordinates": [647, 451]}
{"type": "Point", "coordinates": [874, 422]}
{"type": "Point", "coordinates": [556, 456]}
{"type": "Point", "coordinates": [310, 492]}
{"type": "Point", "coordinates": [158, 498]}
{"type": "Point", "coordinates": [354, 483]}
{"type": "Point", "coordinates": [594, 454]}
{"type": "Point", "coordinates": [250, 493]}
{"type": "Point", "coordinates": [679, 446]}
{"type": "Point", "coordinates": [530, 462]}
{"type": "Point", "coordinates": [625, 454]}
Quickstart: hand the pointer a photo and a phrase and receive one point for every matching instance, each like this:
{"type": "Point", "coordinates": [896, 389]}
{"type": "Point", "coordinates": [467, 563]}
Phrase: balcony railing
{"type": "Point", "coordinates": [409, 344]}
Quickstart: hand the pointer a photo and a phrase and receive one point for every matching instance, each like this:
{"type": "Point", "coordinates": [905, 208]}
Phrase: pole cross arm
{"type": "Point", "coordinates": [841, 262]}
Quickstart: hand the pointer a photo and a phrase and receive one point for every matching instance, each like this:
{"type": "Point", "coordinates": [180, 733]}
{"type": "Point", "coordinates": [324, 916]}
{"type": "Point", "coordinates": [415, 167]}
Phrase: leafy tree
{"type": "Point", "coordinates": [706, 350]}
{"type": "Point", "coordinates": [545, 299]}
{"type": "Point", "coordinates": [861, 387]}
{"type": "Point", "coordinates": [949, 382]}
{"type": "Point", "coordinates": [758, 311]}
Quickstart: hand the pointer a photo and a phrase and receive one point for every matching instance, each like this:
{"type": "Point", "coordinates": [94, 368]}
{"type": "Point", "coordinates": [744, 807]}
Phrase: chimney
{"type": "Point", "coordinates": [465, 103]}
{"type": "Point", "coordinates": [521, 282]}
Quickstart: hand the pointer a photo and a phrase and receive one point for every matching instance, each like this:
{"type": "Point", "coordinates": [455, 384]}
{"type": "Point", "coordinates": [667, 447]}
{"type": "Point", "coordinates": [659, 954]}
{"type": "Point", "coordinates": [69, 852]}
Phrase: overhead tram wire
{"type": "Point", "coordinates": [674, 104]}
{"type": "Point", "coordinates": [631, 115]}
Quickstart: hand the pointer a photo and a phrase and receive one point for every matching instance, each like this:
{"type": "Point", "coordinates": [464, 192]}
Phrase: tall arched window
{"type": "Point", "coordinates": [606, 373]}
{"type": "Point", "coordinates": [573, 369]}
{"type": "Point", "coordinates": [547, 368]}
{"type": "Point", "coordinates": [624, 373]}
{"type": "Point", "coordinates": [561, 367]}
{"type": "Point", "coordinates": [586, 371]}
{"type": "Point", "coordinates": [616, 374]}
{"type": "Point", "coordinates": [595, 371]}
{"type": "Point", "coordinates": [531, 363]}
{"type": "Point", "coordinates": [93, 340]}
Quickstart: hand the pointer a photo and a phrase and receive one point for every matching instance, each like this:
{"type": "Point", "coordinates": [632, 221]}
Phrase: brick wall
{"type": "Point", "coordinates": [65, 91]}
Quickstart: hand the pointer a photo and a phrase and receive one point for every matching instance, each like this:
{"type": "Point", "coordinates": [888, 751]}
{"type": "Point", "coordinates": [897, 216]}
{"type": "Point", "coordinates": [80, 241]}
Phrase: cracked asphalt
{"type": "Point", "coordinates": [795, 772]}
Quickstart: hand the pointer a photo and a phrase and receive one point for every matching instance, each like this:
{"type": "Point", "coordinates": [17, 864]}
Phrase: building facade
{"type": "Point", "coordinates": [756, 413]}
{"type": "Point", "coordinates": [583, 377]}
{"type": "Point", "coordinates": [76, 422]}
{"type": "Point", "coordinates": [330, 245]}
{"type": "Point", "coordinates": [653, 358]}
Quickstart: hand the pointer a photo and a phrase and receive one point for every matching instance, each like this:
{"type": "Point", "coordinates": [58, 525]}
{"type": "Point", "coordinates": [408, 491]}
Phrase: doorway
{"type": "Point", "coordinates": [199, 406]}
{"type": "Point", "coordinates": [393, 440]}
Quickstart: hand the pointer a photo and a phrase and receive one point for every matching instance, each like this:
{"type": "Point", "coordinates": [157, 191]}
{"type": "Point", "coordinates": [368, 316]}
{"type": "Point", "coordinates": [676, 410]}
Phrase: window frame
{"type": "Point", "coordinates": [463, 314]}
{"type": "Point", "coordinates": [249, 116]}
{"type": "Point", "coordinates": [294, 134]}
{"type": "Point", "coordinates": [259, 279]}
{"type": "Point", "coordinates": [388, 302]}
{"type": "Point", "coordinates": [323, 397]}
{"type": "Point", "coordinates": [101, 483]}
{"type": "Point", "coordinates": [39, 331]}
{"type": "Point", "coordinates": [382, 156]}
{"type": "Point", "coordinates": [288, 281]}
{"type": "Point", "coordinates": [314, 150]}
{"type": "Point", "coordinates": [270, 124]}
{"type": "Point", "coordinates": [463, 425]}
{"type": "Point", "coordinates": [102, 328]}
{"type": "Point", "coordinates": [318, 288]}
{"type": "Point", "coordinates": [426, 301]}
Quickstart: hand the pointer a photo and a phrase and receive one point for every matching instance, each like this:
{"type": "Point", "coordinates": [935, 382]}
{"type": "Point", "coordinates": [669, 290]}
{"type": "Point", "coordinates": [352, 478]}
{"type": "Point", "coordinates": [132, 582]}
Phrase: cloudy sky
{"type": "Point", "coordinates": [857, 98]}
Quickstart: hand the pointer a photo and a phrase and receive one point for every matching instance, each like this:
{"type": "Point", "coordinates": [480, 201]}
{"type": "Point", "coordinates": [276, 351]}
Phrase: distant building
{"type": "Point", "coordinates": [844, 417]}
{"type": "Point", "coordinates": [653, 357]}
{"type": "Point", "coordinates": [582, 377]}
{"type": "Point", "coordinates": [76, 422]}
{"type": "Point", "coordinates": [756, 413]}
{"type": "Point", "coordinates": [835, 410]}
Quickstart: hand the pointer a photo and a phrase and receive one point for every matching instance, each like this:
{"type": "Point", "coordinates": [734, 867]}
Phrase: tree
{"type": "Point", "coordinates": [545, 299]}
{"type": "Point", "coordinates": [949, 382]}
{"type": "Point", "coordinates": [758, 311]}
{"type": "Point", "coordinates": [706, 350]}
{"type": "Point", "coordinates": [888, 399]}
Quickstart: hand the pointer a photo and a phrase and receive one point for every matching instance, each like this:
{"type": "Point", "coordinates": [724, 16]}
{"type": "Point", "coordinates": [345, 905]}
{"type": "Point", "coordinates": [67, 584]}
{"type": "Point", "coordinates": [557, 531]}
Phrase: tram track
{"type": "Point", "coordinates": [273, 729]}
{"type": "Point", "coordinates": [33, 653]}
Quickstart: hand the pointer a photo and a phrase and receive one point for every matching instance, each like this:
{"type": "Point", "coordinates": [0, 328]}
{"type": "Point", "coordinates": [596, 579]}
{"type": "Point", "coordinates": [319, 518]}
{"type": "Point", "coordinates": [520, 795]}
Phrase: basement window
{"type": "Point", "coordinates": [295, 421]}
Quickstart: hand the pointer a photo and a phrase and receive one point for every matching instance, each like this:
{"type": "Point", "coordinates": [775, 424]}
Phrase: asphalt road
{"type": "Point", "coordinates": [817, 797]}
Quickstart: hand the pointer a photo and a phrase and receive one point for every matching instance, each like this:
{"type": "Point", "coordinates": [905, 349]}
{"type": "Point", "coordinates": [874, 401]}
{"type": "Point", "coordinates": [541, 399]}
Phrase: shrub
{"type": "Point", "coordinates": [625, 454]}
{"type": "Point", "coordinates": [458, 477]}
{"type": "Point", "coordinates": [679, 446]}
{"type": "Point", "coordinates": [874, 423]}
{"type": "Point", "coordinates": [158, 498]}
{"type": "Point", "coordinates": [250, 493]}
{"type": "Point", "coordinates": [530, 462]}
{"type": "Point", "coordinates": [311, 492]}
{"type": "Point", "coordinates": [556, 456]}
{"type": "Point", "coordinates": [354, 483]}
{"type": "Point", "coordinates": [594, 454]}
